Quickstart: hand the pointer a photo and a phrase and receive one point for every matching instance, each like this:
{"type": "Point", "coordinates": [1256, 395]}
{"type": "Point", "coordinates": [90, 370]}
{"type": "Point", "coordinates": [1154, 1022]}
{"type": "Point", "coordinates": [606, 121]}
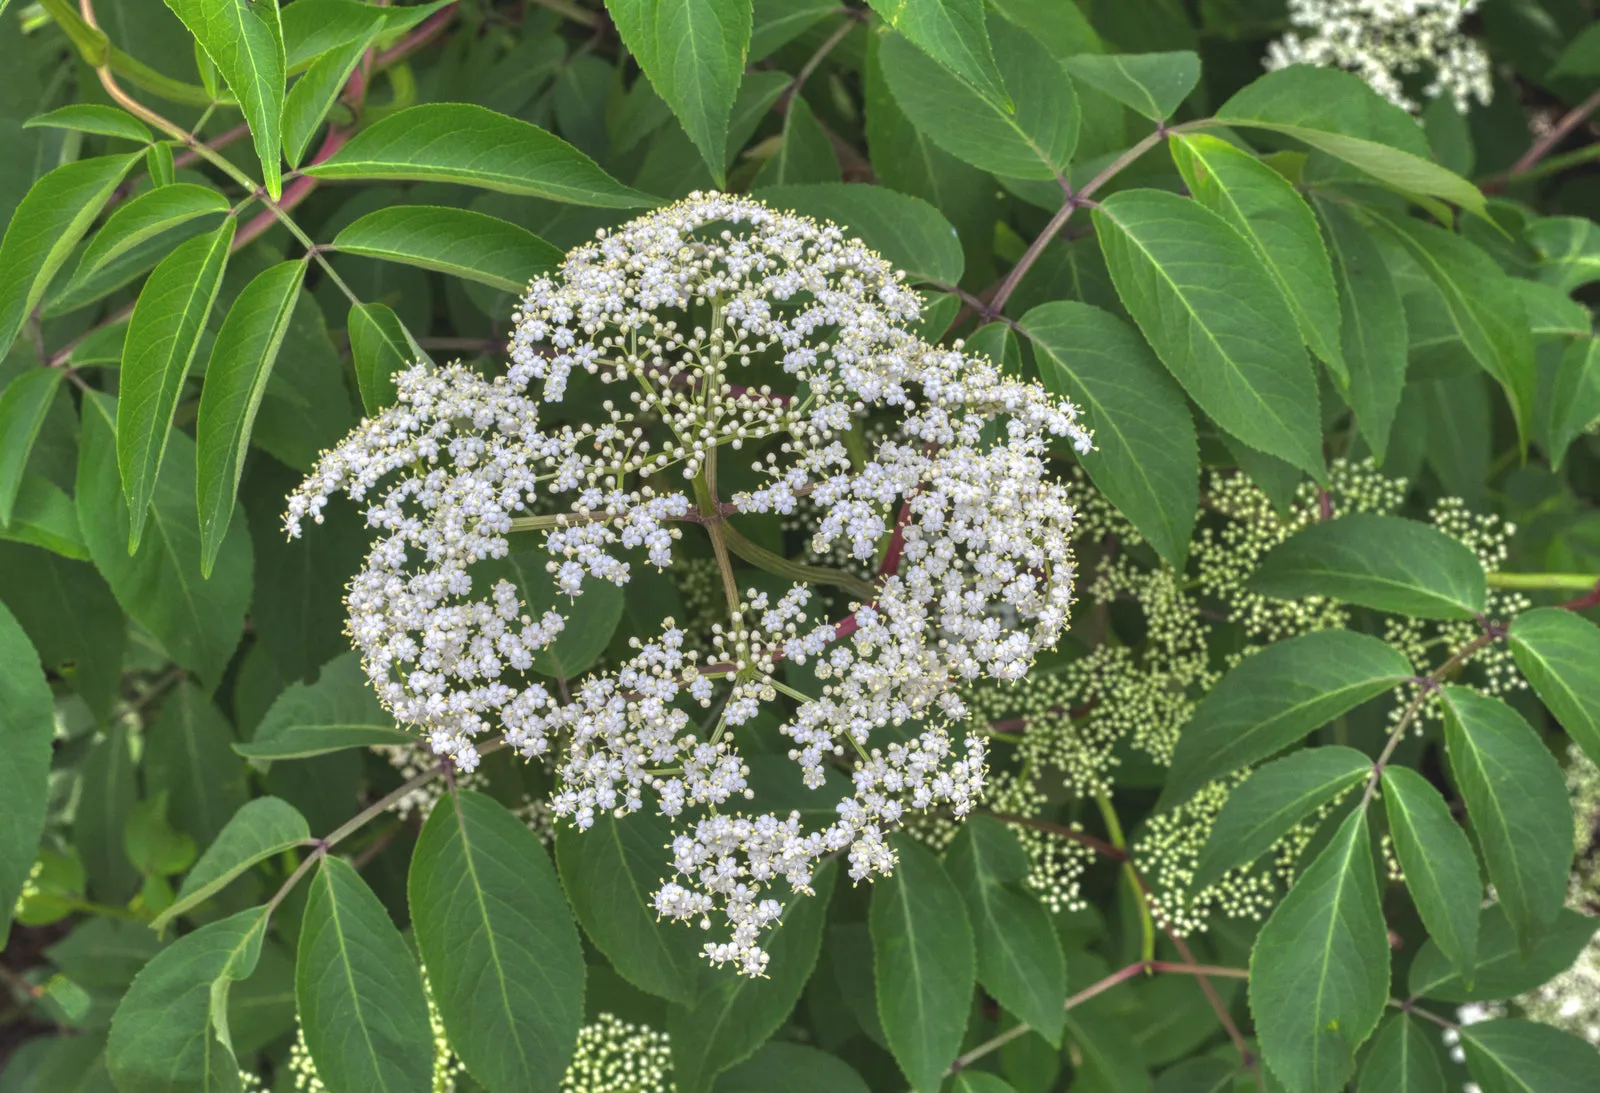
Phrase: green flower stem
{"type": "Point", "coordinates": [1552, 582]}
{"type": "Point", "coordinates": [762, 558]}
{"type": "Point", "coordinates": [1147, 926]}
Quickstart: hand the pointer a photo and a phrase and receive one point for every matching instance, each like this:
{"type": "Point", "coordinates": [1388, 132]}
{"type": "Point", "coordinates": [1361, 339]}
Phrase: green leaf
{"type": "Point", "coordinates": [380, 346]}
{"type": "Point", "coordinates": [169, 1035]}
{"type": "Point", "coordinates": [1437, 859]}
{"type": "Point", "coordinates": [262, 828]}
{"type": "Point", "coordinates": [610, 873]}
{"type": "Point", "coordinates": [911, 234]}
{"type": "Point", "coordinates": [1268, 804]}
{"type": "Point", "coordinates": [163, 334]}
{"type": "Point", "coordinates": [496, 936]}
{"type": "Point", "coordinates": [461, 143]}
{"type": "Point", "coordinates": [953, 33]}
{"type": "Point", "coordinates": [313, 94]}
{"type": "Point", "coordinates": [70, 616]}
{"type": "Point", "coordinates": [1372, 326]}
{"type": "Point", "coordinates": [317, 26]}
{"type": "Point", "coordinates": [84, 117]}
{"type": "Point", "coordinates": [1020, 962]}
{"type": "Point", "coordinates": [1568, 248]}
{"type": "Point", "coordinates": [776, 23]}
{"type": "Point", "coordinates": [361, 1002]}
{"type": "Point", "coordinates": [1557, 652]}
{"type": "Point", "coordinates": [806, 154]}
{"type": "Point", "coordinates": [1575, 400]}
{"type": "Point", "coordinates": [1403, 1059]}
{"type": "Point", "coordinates": [591, 617]}
{"type": "Point", "coordinates": [1503, 971]}
{"type": "Point", "coordinates": [338, 711]}
{"type": "Point", "coordinates": [694, 55]}
{"type": "Point", "coordinates": [198, 621]}
{"type": "Point", "coordinates": [1511, 1056]}
{"type": "Point", "coordinates": [147, 216]}
{"type": "Point", "coordinates": [48, 223]}
{"type": "Point", "coordinates": [245, 42]}
{"type": "Point", "coordinates": [780, 1067]}
{"type": "Point", "coordinates": [189, 755]}
{"type": "Point", "coordinates": [158, 161]}
{"type": "Point", "coordinates": [1153, 84]}
{"type": "Point", "coordinates": [1484, 306]}
{"type": "Point", "coordinates": [155, 847]}
{"type": "Point", "coordinates": [1319, 971]}
{"type": "Point", "coordinates": [922, 948]}
{"type": "Point", "coordinates": [110, 789]}
{"type": "Point", "coordinates": [1261, 205]}
{"type": "Point", "coordinates": [23, 404]}
{"type": "Point", "coordinates": [27, 726]}
{"type": "Point", "coordinates": [1215, 318]}
{"type": "Point", "coordinates": [1274, 698]}
{"type": "Point", "coordinates": [1033, 139]}
{"type": "Point", "coordinates": [46, 517]}
{"type": "Point", "coordinates": [981, 1081]}
{"type": "Point", "coordinates": [1517, 801]}
{"type": "Point", "coordinates": [236, 379]}
{"type": "Point", "coordinates": [1145, 460]}
{"type": "Point", "coordinates": [458, 242]}
{"type": "Point", "coordinates": [735, 1014]}
{"type": "Point", "coordinates": [1387, 563]}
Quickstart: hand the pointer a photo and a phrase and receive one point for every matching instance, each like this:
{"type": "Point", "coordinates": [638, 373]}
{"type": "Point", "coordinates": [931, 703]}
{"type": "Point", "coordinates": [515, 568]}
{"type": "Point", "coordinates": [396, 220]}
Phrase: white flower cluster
{"type": "Point", "coordinates": [694, 311]}
{"type": "Point", "coordinates": [1386, 41]}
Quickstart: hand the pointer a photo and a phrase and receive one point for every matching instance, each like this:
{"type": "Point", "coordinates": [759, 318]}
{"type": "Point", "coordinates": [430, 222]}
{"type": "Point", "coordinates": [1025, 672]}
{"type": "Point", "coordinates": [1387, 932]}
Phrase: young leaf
{"type": "Point", "coordinates": [457, 242]}
{"type": "Point", "coordinates": [1437, 859]}
{"type": "Point", "coordinates": [1033, 139]}
{"type": "Point", "coordinates": [236, 379]}
{"type": "Point", "coordinates": [1503, 970]}
{"type": "Point", "coordinates": [22, 408]}
{"type": "Point", "coordinates": [1557, 651]}
{"type": "Point", "coordinates": [163, 334]}
{"type": "Point", "coordinates": [735, 1014]}
{"type": "Point", "coordinates": [694, 55]}
{"type": "Point", "coordinates": [1387, 563]}
{"type": "Point", "coordinates": [313, 94]}
{"type": "Point", "coordinates": [1512, 1056]}
{"type": "Point", "coordinates": [922, 947]}
{"type": "Point", "coordinates": [906, 230]}
{"type": "Point", "coordinates": [1153, 84]}
{"type": "Point", "coordinates": [245, 42]}
{"type": "Point", "coordinates": [1215, 318]}
{"type": "Point", "coordinates": [359, 993]}
{"type": "Point", "coordinates": [379, 346]}
{"type": "Point", "coordinates": [1575, 401]}
{"type": "Point", "coordinates": [27, 726]}
{"type": "Point", "coordinates": [1145, 460]}
{"type": "Point", "coordinates": [261, 829]}
{"type": "Point", "coordinates": [1402, 1060]}
{"type": "Point", "coordinates": [147, 216]}
{"type": "Point", "coordinates": [1020, 962]}
{"type": "Point", "coordinates": [1276, 797]}
{"type": "Point", "coordinates": [472, 146]}
{"type": "Point", "coordinates": [198, 621]}
{"type": "Point", "coordinates": [338, 711]}
{"type": "Point", "coordinates": [952, 32]}
{"type": "Point", "coordinates": [44, 229]}
{"type": "Point", "coordinates": [780, 1067]}
{"type": "Point", "coordinates": [498, 941]}
{"type": "Point", "coordinates": [88, 117]}
{"type": "Point", "coordinates": [1516, 798]}
{"type": "Point", "coordinates": [1274, 698]}
{"type": "Point", "coordinates": [1274, 219]}
{"type": "Point", "coordinates": [1319, 971]}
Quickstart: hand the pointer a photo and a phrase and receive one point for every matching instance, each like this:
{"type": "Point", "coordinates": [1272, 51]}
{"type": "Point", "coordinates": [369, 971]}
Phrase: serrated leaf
{"type": "Point", "coordinates": [1557, 652]}
{"type": "Point", "coordinates": [360, 998]}
{"type": "Point", "coordinates": [1215, 318]}
{"type": "Point", "coordinates": [906, 230]}
{"type": "Point", "coordinates": [1146, 459]}
{"type": "Point", "coordinates": [1387, 563]}
{"type": "Point", "coordinates": [1502, 970]}
{"type": "Point", "coordinates": [380, 346]}
{"type": "Point", "coordinates": [1020, 962]}
{"type": "Point", "coordinates": [236, 379]}
{"type": "Point", "coordinates": [496, 936]}
{"type": "Point", "coordinates": [1268, 804]}
{"type": "Point", "coordinates": [953, 33]}
{"type": "Point", "coordinates": [163, 335]}
{"type": "Point", "coordinates": [48, 223]}
{"type": "Point", "coordinates": [147, 216]}
{"type": "Point", "coordinates": [23, 404]}
{"type": "Point", "coordinates": [1440, 868]}
{"type": "Point", "coordinates": [245, 42]}
{"type": "Point", "coordinates": [474, 146]}
{"type": "Point", "coordinates": [780, 1067]}
{"type": "Point", "coordinates": [27, 727]}
{"type": "Point", "coordinates": [1512, 1056]}
{"type": "Point", "coordinates": [923, 951]}
{"type": "Point", "coordinates": [457, 242]}
{"type": "Point", "coordinates": [1035, 138]}
{"type": "Point", "coordinates": [338, 711]}
{"type": "Point", "coordinates": [1274, 698]}
{"type": "Point", "coordinates": [88, 117]}
{"type": "Point", "coordinates": [1153, 84]}
{"type": "Point", "coordinates": [805, 154]}
{"type": "Point", "coordinates": [314, 93]}
{"type": "Point", "coordinates": [1402, 1060]}
{"type": "Point", "coordinates": [1319, 971]}
{"type": "Point", "coordinates": [776, 23]}
{"type": "Point", "coordinates": [1516, 799]}
{"type": "Point", "coordinates": [1274, 219]}
{"type": "Point", "coordinates": [1575, 400]}
{"type": "Point", "coordinates": [262, 828]}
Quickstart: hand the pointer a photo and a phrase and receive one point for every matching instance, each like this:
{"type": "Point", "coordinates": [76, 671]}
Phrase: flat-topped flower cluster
{"type": "Point", "coordinates": [721, 324]}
